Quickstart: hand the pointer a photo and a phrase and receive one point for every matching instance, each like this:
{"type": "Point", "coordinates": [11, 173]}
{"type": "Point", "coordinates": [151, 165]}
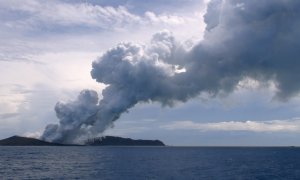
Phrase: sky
{"type": "Point", "coordinates": [49, 48]}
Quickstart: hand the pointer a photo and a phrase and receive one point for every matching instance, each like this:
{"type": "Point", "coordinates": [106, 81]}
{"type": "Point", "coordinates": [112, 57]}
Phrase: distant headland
{"type": "Point", "coordinates": [119, 141]}
{"type": "Point", "coordinates": [101, 141]}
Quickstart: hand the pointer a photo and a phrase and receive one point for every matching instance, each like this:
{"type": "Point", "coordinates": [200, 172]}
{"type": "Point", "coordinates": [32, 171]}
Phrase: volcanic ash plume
{"type": "Point", "coordinates": [243, 39]}
{"type": "Point", "coordinates": [74, 117]}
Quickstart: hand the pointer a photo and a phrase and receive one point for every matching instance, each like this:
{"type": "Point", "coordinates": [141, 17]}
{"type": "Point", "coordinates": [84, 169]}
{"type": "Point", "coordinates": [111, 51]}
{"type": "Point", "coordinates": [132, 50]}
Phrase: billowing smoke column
{"type": "Point", "coordinates": [257, 39]}
{"type": "Point", "coordinates": [74, 117]}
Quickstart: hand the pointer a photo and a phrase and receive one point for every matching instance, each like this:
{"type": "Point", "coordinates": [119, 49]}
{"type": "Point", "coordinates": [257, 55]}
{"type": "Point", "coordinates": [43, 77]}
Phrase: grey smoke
{"type": "Point", "coordinates": [212, 16]}
{"type": "Point", "coordinates": [256, 39]}
{"type": "Point", "coordinates": [73, 118]}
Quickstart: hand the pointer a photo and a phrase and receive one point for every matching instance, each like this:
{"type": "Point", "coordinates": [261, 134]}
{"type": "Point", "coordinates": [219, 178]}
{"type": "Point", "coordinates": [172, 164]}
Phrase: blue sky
{"type": "Point", "coordinates": [46, 54]}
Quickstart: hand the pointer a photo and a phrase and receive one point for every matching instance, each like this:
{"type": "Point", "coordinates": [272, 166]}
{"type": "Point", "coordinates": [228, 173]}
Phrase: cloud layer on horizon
{"type": "Point", "coordinates": [251, 126]}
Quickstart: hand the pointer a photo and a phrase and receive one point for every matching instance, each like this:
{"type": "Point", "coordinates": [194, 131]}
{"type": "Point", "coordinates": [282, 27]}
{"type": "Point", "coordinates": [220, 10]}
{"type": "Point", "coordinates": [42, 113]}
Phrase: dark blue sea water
{"type": "Point", "coordinates": [149, 163]}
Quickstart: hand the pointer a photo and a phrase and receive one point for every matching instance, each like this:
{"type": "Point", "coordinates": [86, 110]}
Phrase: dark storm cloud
{"type": "Point", "coordinates": [258, 39]}
{"type": "Point", "coordinates": [243, 39]}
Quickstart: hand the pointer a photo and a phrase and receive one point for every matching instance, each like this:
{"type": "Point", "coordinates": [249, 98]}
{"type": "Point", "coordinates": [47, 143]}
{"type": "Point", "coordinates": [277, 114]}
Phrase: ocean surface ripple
{"type": "Point", "coordinates": [149, 163]}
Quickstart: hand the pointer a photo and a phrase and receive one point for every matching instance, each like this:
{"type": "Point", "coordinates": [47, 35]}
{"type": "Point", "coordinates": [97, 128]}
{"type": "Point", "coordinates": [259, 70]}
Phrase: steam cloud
{"type": "Point", "coordinates": [257, 39]}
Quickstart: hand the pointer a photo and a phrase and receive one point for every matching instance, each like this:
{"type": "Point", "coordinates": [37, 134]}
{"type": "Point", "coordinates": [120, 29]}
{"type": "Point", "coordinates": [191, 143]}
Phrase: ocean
{"type": "Point", "coordinates": [132, 163]}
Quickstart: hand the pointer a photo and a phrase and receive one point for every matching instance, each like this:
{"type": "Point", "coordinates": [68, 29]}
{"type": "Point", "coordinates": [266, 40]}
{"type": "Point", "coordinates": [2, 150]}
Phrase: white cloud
{"type": "Point", "coordinates": [167, 19]}
{"type": "Point", "coordinates": [45, 14]}
{"type": "Point", "coordinates": [32, 27]}
{"type": "Point", "coordinates": [292, 125]}
{"type": "Point", "coordinates": [66, 14]}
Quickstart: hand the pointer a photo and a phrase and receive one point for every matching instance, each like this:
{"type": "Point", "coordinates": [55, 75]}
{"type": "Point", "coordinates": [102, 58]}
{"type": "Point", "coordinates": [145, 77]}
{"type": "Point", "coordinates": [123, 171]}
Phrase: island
{"type": "Point", "coordinates": [119, 141]}
{"type": "Point", "coordinates": [25, 141]}
{"type": "Point", "coordinates": [101, 141]}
